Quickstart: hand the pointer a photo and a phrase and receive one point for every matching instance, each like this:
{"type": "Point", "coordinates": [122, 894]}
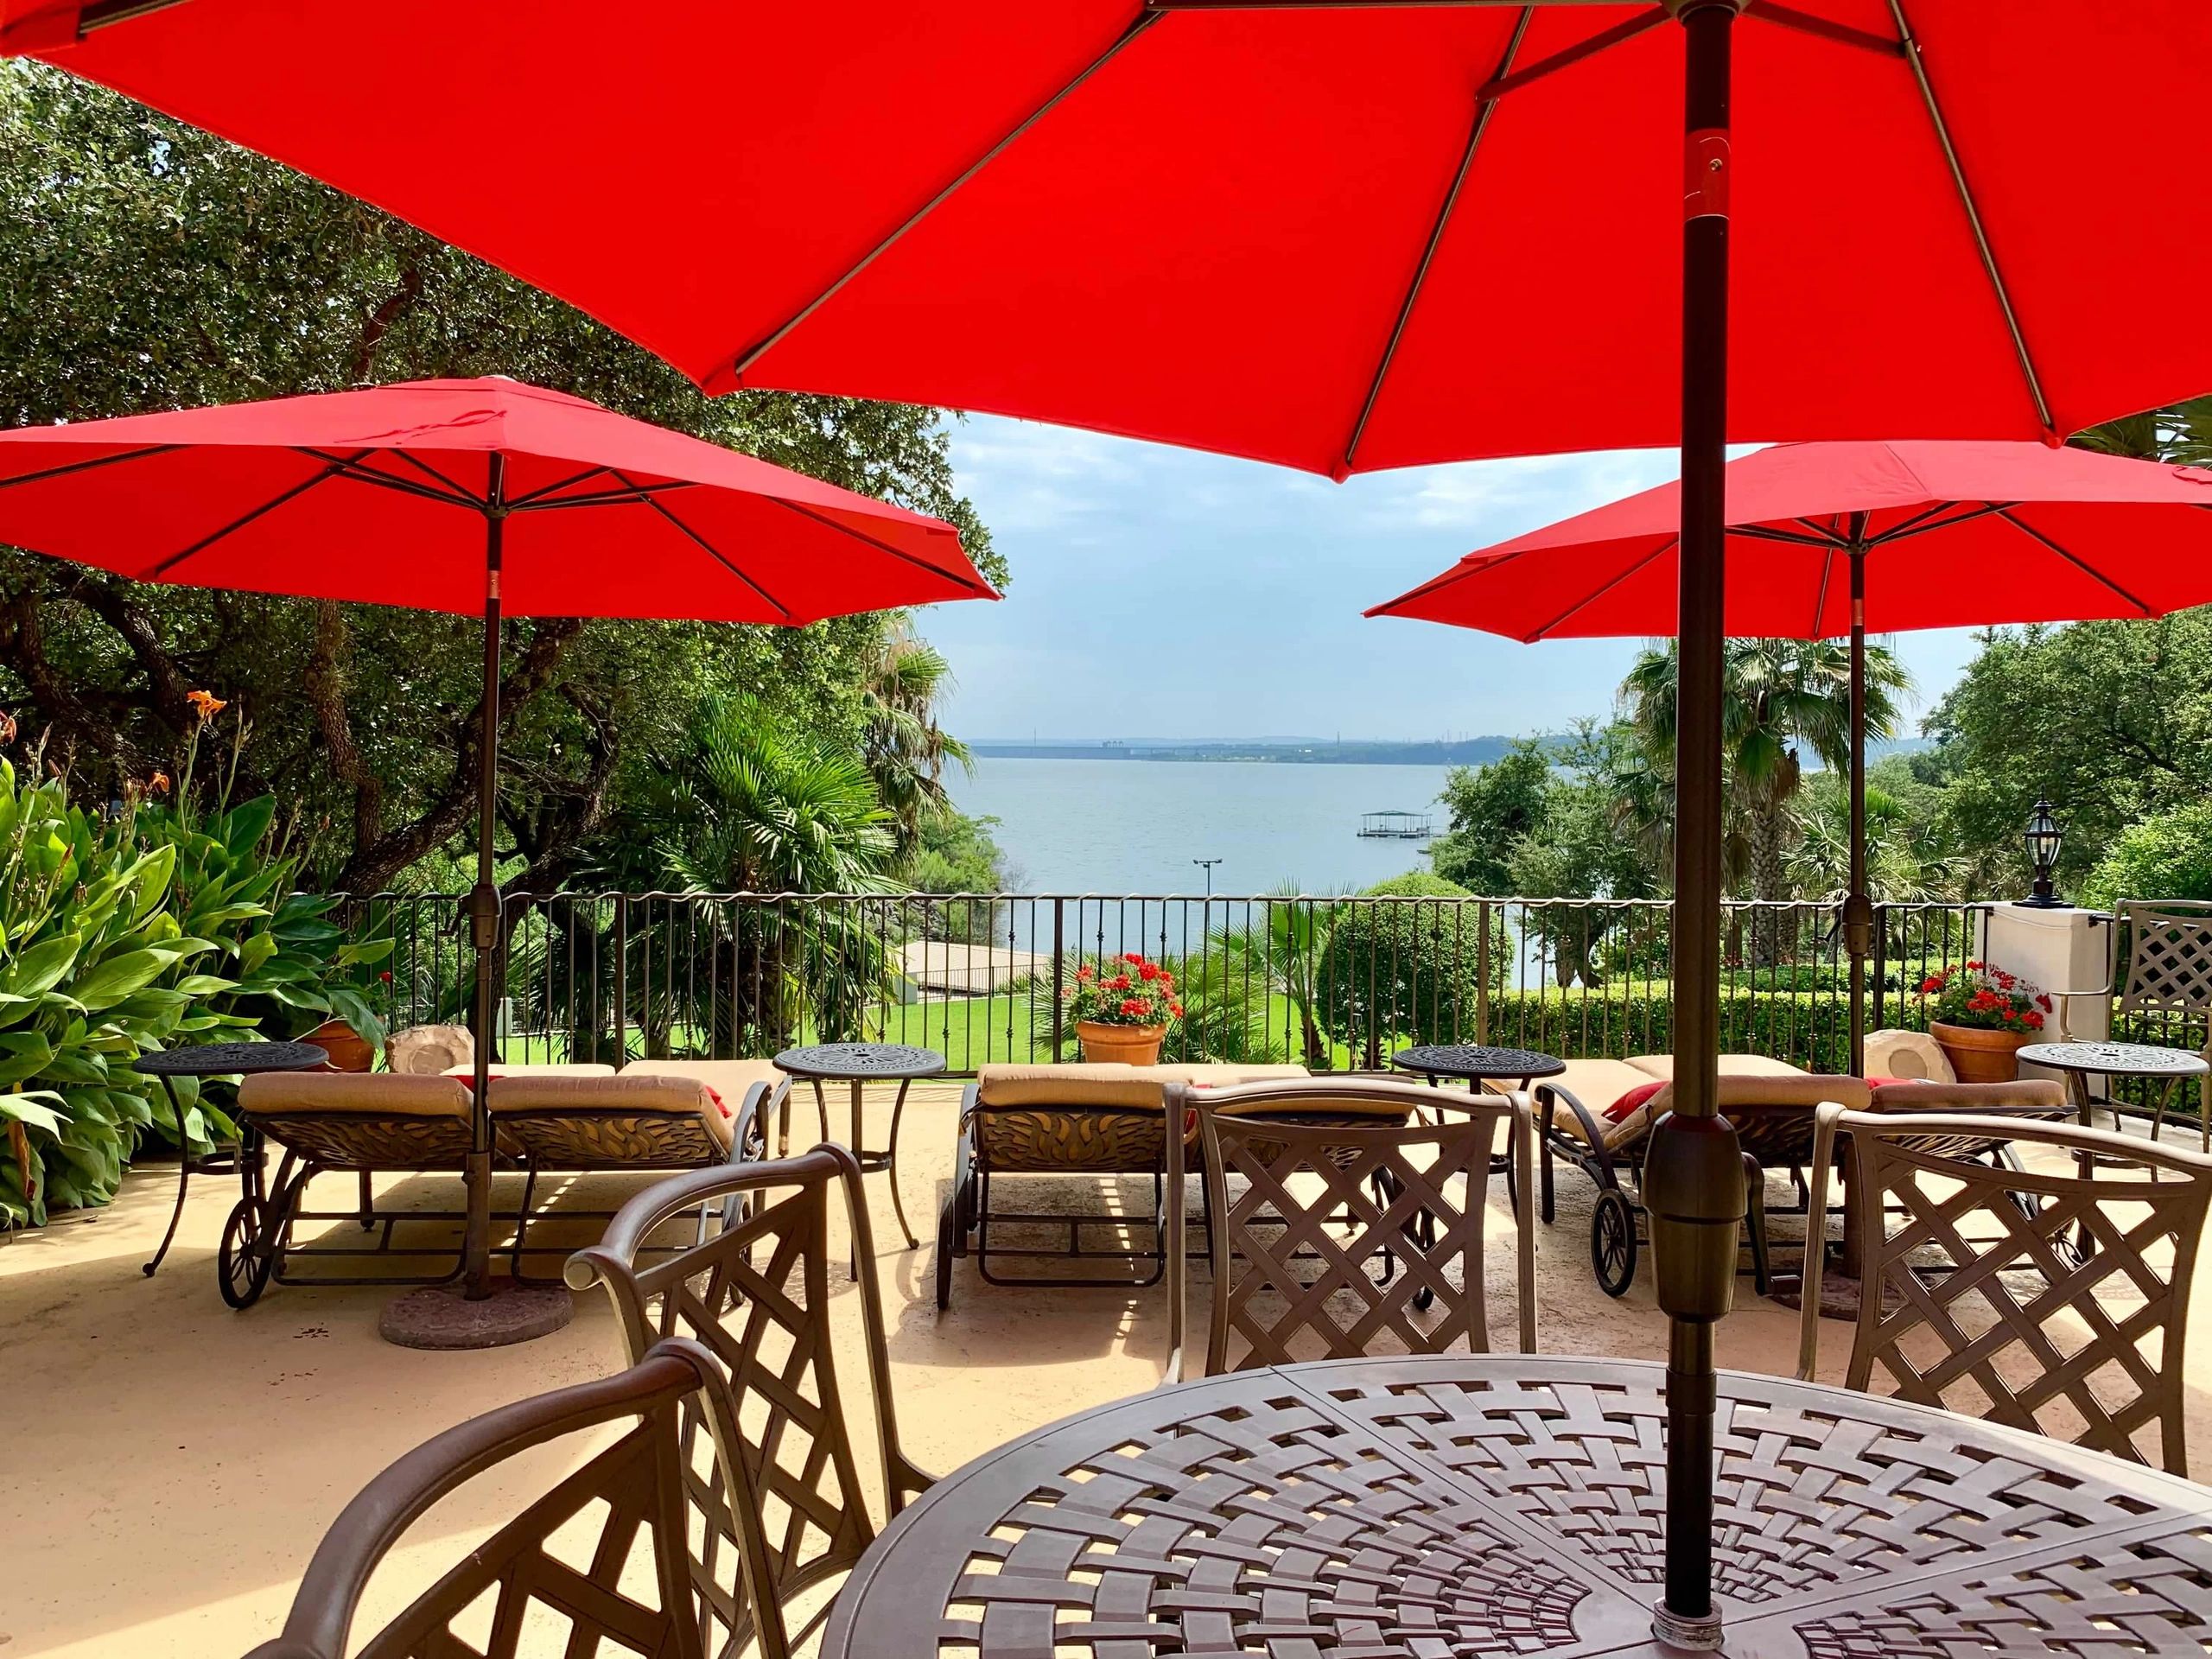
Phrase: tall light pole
{"type": "Point", "coordinates": [1207, 864]}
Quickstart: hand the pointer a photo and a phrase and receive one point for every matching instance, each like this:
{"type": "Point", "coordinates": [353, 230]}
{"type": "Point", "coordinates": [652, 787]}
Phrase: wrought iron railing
{"type": "Point", "coordinates": [1335, 982]}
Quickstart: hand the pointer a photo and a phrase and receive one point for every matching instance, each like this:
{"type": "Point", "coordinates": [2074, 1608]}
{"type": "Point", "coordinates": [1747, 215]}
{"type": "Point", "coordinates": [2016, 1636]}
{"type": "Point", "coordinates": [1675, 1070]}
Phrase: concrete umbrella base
{"type": "Point", "coordinates": [442, 1317]}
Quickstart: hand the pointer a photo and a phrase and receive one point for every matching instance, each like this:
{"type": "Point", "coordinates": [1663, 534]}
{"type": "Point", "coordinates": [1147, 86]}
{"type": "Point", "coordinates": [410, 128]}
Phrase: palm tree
{"type": "Point", "coordinates": [1779, 699]}
{"type": "Point", "coordinates": [904, 749]}
{"type": "Point", "coordinates": [743, 803]}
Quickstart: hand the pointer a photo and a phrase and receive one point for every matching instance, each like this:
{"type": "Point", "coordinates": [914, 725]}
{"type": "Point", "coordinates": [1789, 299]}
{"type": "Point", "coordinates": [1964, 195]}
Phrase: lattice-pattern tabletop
{"type": "Point", "coordinates": [2115, 1059]}
{"type": "Point", "coordinates": [1475, 1060]}
{"type": "Point", "coordinates": [1460, 1507]}
{"type": "Point", "coordinates": [839, 1062]}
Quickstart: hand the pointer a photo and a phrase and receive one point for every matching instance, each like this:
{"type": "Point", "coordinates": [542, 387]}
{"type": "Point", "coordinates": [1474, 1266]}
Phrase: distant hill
{"type": "Point", "coordinates": [1307, 752]}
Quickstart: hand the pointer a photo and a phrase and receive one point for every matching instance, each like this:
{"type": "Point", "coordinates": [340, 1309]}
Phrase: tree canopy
{"type": "Point", "coordinates": [149, 265]}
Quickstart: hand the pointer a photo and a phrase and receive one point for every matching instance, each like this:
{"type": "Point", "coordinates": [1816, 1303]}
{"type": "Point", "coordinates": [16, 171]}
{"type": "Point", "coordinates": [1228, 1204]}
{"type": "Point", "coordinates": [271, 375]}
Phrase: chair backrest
{"type": "Point", "coordinates": [757, 1296]}
{"type": "Point", "coordinates": [2053, 1298]}
{"type": "Point", "coordinates": [539, 1585]}
{"type": "Point", "coordinates": [1312, 1157]}
{"type": "Point", "coordinates": [2169, 957]}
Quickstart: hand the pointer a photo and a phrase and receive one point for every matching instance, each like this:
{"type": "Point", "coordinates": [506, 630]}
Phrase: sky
{"type": "Point", "coordinates": [1161, 593]}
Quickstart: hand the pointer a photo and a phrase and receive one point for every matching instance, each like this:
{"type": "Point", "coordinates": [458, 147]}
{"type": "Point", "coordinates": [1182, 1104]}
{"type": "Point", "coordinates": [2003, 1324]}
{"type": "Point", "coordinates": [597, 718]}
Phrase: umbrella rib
{"type": "Point", "coordinates": [159, 571]}
{"type": "Point", "coordinates": [983, 589]}
{"type": "Point", "coordinates": [609, 498]}
{"type": "Point", "coordinates": [713, 552]}
{"type": "Point", "coordinates": [1484, 108]}
{"type": "Point", "coordinates": [69, 468]}
{"type": "Point", "coordinates": [1627, 29]}
{"type": "Point", "coordinates": [453, 483]}
{"type": "Point", "coordinates": [1768, 533]}
{"type": "Point", "coordinates": [1460, 572]}
{"type": "Point", "coordinates": [1805, 23]}
{"type": "Point", "coordinates": [1820, 594]}
{"type": "Point", "coordinates": [352, 468]}
{"type": "Point", "coordinates": [746, 359]}
{"type": "Point", "coordinates": [516, 502]}
{"type": "Point", "coordinates": [1912, 57]}
{"type": "Point", "coordinates": [1597, 593]}
{"type": "Point", "coordinates": [2081, 565]}
{"type": "Point", "coordinates": [1929, 520]}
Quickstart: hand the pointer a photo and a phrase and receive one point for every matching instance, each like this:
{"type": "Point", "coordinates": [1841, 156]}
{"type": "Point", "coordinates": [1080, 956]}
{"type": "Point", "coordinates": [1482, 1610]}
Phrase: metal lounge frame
{"type": "Point", "coordinates": [637, 1479]}
{"type": "Point", "coordinates": [1365, 1157]}
{"type": "Point", "coordinates": [756, 1298]}
{"type": "Point", "coordinates": [1947, 1295]}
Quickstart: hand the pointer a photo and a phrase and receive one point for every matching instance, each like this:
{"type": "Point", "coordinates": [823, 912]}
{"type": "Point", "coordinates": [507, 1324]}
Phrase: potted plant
{"type": "Point", "coordinates": [1983, 1016]}
{"type": "Point", "coordinates": [1122, 1007]}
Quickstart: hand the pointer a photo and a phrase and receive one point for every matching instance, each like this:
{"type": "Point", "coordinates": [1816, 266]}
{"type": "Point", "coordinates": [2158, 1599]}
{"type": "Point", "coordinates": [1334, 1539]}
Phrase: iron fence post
{"type": "Point", "coordinates": [1059, 970]}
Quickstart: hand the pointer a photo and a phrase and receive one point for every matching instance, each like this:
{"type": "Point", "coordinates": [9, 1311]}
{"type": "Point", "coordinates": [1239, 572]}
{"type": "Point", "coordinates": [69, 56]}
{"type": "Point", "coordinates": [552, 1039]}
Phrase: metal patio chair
{"type": "Point", "coordinates": [1314, 1160]}
{"type": "Point", "coordinates": [756, 1296]}
{"type": "Point", "coordinates": [2024, 1296]}
{"type": "Point", "coordinates": [535, 1588]}
{"type": "Point", "coordinates": [2167, 983]}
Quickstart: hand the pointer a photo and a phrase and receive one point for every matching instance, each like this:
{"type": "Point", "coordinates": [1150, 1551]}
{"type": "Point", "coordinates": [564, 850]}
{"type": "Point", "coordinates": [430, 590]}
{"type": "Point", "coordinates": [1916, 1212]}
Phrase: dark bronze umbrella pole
{"type": "Point", "coordinates": [484, 898]}
{"type": "Point", "coordinates": [1857, 907]}
{"type": "Point", "coordinates": [1694, 1183]}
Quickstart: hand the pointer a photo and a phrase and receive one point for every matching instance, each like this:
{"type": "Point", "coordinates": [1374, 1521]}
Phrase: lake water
{"type": "Point", "coordinates": [1134, 826]}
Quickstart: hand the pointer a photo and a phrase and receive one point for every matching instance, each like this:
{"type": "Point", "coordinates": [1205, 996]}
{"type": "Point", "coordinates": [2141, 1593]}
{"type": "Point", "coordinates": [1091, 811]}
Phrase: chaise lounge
{"type": "Point", "coordinates": [1060, 1121]}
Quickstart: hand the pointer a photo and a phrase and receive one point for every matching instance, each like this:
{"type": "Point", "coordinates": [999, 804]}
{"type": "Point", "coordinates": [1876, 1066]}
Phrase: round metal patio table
{"type": "Point", "coordinates": [861, 1063]}
{"type": "Point", "coordinates": [2081, 1061]}
{"type": "Point", "coordinates": [1440, 1507]}
{"type": "Point", "coordinates": [1478, 1062]}
{"type": "Point", "coordinates": [215, 1060]}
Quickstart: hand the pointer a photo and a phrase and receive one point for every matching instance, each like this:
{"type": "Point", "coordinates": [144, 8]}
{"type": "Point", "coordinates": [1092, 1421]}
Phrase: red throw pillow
{"type": "Point", "coordinates": [715, 1094]}
{"type": "Point", "coordinates": [1626, 1106]}
{"type": "Point", "coordinates": [1884, 1082]}
{"type": "Point", "coordinates": [468, 1081]}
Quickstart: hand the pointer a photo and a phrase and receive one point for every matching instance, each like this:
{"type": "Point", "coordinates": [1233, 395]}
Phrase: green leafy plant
{"type": "Point", "coordinates": [85, 937]}
{"type": "Point", "coordinates": [1404, 963]}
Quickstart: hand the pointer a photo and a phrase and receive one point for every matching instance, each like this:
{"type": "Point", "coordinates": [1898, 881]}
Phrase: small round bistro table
{"type": "Point", "coordinates": [1478, 1064]}
{"type": "Point", "coordinates": [216, 1060]}
{"type": "Point", "coordinates": [2081, 1061]}
{"type": "Point", "coordinates": [860, 1065]}
{"type": "Point", "coordinates": [1453, 1507]}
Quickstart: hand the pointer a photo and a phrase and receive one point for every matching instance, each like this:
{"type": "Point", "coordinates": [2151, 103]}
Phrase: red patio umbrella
{"type": "Point", "coordinates": [1840, 539]}
{"type": "Point", "coordinates": [466, 496]}
{"type": "Point", "coordinates": [1338, 234]}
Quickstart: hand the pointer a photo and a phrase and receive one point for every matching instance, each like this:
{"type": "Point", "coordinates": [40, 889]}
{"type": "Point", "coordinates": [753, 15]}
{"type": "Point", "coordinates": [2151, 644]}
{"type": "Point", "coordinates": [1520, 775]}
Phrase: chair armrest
{"type": "Point", "coordinates": [1548, 1094]}
{"type": "Point", "coordinates": [969, 1097]}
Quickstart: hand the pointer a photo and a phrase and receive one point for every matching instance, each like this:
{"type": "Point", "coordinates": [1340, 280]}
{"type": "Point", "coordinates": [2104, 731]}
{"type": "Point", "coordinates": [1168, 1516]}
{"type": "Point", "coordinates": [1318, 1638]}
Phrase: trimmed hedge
{"type": "Point", "coordinates": [1813, 1032]}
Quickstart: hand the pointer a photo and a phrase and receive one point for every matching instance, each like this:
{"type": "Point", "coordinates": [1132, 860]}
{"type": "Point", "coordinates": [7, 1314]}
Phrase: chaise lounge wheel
{"type": "Point", "coordinates": [950, 1225]}
{"type": "Point", "coordinates": [1613, 1242]}
{"type": "Point", "coordinates": [245, 1260]}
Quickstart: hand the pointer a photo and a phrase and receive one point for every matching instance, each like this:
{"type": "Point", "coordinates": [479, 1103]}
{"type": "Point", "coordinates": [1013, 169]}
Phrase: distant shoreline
{"type": "Point", "coordinates": [1467, 752]}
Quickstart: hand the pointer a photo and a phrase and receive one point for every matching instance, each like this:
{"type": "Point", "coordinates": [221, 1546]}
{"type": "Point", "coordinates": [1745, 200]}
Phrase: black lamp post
{"type": "Point", "coordinates": [2043, 841]}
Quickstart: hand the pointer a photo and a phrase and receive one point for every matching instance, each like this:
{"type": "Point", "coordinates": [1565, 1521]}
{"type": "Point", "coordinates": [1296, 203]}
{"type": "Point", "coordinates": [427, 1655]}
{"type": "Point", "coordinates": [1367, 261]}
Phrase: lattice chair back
{"type": "Point", "coordinates": [1343, 1223]}
{"type": "Point", "coordinates": [2168, 959]}
{"type": "Point", "coordinates": [2052, 1296]}
{"type": "Point", "coordinates": [758, 1296]}
{"type": "Point", "coordinates": [597, 1564]}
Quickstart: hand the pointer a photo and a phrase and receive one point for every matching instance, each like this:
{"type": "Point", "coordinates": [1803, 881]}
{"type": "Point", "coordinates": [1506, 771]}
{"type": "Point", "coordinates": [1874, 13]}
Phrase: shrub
{"type": "Point", "coordinates": [1408, 971]}
{"type": "Point", "coordinates": [2168, 855]}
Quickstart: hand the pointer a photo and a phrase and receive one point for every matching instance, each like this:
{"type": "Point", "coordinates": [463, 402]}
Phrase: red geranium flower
{"type": "Point", "coordinates": [1147, 971]}
{"type": "Point", "coordinates": [1132, 958]}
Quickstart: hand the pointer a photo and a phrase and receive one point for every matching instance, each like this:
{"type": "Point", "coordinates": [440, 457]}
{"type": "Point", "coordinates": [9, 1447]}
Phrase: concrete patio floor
{"type": "Point", "coordinates": [174, 1463]}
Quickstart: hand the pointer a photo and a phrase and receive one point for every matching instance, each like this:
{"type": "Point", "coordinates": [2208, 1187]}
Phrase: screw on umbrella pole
{"type": "Point", "coordinates": [1694, 1179]}
{"type": "Point", "coordinates": [484, 898]}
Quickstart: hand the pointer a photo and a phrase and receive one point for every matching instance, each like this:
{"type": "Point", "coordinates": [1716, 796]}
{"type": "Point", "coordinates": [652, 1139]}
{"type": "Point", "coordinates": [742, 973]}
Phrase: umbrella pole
{"type": "Point", "coordinates": [484, 901]}
{"type": "Point", "coordinates": [1857, 906]}
{"type": "Point", "coordinates": [1694, 1187]}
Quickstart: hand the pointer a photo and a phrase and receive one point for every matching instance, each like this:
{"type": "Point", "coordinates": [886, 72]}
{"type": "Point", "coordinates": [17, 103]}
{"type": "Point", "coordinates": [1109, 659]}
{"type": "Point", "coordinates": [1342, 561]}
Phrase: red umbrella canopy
{"type": "Point", "coordinates": [380, 495]}
{"type": "Point", "coordinates": [1341, 236]}
{"type": "Point", "coordinates": [1955, 535]}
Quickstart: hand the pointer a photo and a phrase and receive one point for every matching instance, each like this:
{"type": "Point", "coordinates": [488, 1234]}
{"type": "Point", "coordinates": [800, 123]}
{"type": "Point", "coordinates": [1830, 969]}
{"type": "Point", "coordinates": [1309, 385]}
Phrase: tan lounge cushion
{"type": "Point", "coordinates": [1111, 1083]}
{"type": "Point", "coordinates": [1596, 1083]}
{"type": "Point", "coordinates": [1969, 1096]}
{"type": "Point", "coordinates": [276, 1094]}
{"type": "Point", "coordinates": [673, 1096]}
{"type": "Point", "coordinates": [1793, 1089]}
{"type": "Point", "coordinates": [503, 1069]}
{"type": "Point", "coordinates": [729, 1078]}
{"type": "Point", "coordinates": [1731, 1065]}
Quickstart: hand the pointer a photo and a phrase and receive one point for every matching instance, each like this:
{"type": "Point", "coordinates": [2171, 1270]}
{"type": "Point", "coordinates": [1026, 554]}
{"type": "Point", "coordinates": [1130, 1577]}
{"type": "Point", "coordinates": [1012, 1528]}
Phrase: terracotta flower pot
{"type": "Point", "coordinates": [1978, 1055]}
{"type": "Point", "coordinates": [348, 1050]}
{"type": "Point", "coordinates": [1123, 1044]}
